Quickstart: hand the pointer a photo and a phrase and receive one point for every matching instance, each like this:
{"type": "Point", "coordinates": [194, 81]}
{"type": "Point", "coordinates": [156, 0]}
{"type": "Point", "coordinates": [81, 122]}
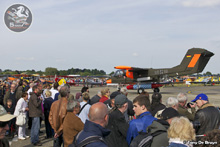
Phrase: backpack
{"type": "Point", "coordinates": [86, 141]}
{"type": "Point", "coordinates": [145, 139]}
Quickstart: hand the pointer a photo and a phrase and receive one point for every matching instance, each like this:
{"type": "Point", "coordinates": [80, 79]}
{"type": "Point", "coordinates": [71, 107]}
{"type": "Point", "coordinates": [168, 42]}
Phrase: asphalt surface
{"type": "Point", "coordinates": [213, 93]}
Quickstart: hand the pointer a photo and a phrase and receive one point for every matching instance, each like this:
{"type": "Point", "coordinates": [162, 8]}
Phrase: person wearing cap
{"type": "Point", "coordinates": [144, 118]}
{"type": "Point", "coordinates": [4, 119]}
{"type": "Point", "coordinates": [162, 125]}
{"type": "Point", "coordinates": [117, 123]}
{"type": "Point", "coordinates": [168, 114]}
{"type": "Point", "coordinates": [111, 102]}
{"type": "Point", "coordinates": [182, 109]}
{"type": "Point", "coordinates": [130, 111]}
{"type": "Point", "coordinates": [208, 117]}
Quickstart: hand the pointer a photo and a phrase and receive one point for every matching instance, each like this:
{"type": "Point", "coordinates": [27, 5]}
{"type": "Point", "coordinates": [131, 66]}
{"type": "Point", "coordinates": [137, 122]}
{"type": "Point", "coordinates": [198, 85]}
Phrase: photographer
{"type": "Point", "coordinates": [207, 116]}
{"type": "Point", "coordinates": [182, 109]}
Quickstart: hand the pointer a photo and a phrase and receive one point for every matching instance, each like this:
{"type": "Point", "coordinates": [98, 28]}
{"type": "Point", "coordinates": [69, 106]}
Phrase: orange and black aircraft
{"type": "Point", "coordinates": [194, 61]}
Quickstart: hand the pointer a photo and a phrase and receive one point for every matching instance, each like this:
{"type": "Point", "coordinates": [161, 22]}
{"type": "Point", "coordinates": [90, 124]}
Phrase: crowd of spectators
{"type": "Point", "coordinates": [106, 119]}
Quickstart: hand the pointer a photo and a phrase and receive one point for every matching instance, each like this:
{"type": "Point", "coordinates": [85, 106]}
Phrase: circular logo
{"type": "Point", "coordinates": [18, 18]}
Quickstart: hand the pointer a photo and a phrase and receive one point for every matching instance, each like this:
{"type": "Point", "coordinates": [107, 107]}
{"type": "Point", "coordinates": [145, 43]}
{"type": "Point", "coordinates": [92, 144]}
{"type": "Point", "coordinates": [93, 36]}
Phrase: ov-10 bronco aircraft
{"type": "Point", "coordinates": [194, 61]}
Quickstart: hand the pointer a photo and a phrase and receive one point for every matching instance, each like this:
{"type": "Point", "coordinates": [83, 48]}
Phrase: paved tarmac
{"type": "Point", "coordinates": [213, 93]}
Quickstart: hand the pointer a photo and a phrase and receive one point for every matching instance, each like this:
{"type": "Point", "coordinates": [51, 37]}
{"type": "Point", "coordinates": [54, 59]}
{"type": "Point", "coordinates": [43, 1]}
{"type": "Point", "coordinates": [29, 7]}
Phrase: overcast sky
{"type": "Point", "coordinates": [103, 34]}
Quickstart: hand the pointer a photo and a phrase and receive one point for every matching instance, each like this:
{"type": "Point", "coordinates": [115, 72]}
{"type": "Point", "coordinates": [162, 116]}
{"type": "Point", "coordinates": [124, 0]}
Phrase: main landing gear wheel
{"type": "Point", "coordinates": [156, 90]}
{"type": "Point", "coordinates": [140, 90]}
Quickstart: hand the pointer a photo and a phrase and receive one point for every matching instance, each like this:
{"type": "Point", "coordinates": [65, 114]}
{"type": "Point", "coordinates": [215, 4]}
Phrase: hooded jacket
{"type": "Point", "coordinates": [161, 139]}
{"type": "Point", "coordinates": [118, 126]}
{"type": "Point", "coordinates": [93, 129]}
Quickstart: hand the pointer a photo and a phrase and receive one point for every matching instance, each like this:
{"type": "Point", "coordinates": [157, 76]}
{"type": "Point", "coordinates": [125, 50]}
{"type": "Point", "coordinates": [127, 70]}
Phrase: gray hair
{"type": "Point", "coordinates": [64, 91]}
{"type": "Point", "coordinates": [182, 97]}
{"type": "Point", "coordinates": [171, 101]}
{"type": "Point", "coordinates": [71, 105]}
{"type": "Point", "coordinates": [99, 93]}
{"type": "Point", "coordinates": [124, 90]}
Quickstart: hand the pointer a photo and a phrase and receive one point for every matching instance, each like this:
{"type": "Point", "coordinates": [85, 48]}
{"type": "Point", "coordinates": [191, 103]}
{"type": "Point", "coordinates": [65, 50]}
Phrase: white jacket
{"type": "Point", "coordinates": [20, 107]}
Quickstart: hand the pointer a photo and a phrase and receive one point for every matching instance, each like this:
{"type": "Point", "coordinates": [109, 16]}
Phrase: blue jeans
{"type": "Point", "coordinates": [35, 129]}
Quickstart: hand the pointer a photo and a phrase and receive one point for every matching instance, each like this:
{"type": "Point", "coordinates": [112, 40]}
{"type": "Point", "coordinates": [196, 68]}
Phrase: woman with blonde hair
{"type": "Point", "coordinates": [105, 94]}
{"type": "Point", "coordinates": [181, 132]}
{"type": "Point", "coordinates": [47, 104]}
{"type": "Point", "coordinates": [85, 106]}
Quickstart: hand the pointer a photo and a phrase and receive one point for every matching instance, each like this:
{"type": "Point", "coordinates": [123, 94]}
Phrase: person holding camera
{"type": "Point", "coordinates": [207, 117]}
{"type": "Point", "coordinates": [182, 109]}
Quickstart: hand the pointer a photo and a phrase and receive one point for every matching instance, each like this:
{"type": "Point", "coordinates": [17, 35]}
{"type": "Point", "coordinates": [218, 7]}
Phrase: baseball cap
{"type": "Point", "coordinates": [169, 113]}
{"type": "Point", "coordinates": [201, 96]}
{"type": "Point", "coordinates": [4, 116]}
{"type": "Point", "coordinates": [114, 94]}
{"type": "Point", "coordinates": [121, 99]}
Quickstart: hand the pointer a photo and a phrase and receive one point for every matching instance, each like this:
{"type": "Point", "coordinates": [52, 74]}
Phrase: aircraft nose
{"type": "Point", "coordinates": [109, 81]}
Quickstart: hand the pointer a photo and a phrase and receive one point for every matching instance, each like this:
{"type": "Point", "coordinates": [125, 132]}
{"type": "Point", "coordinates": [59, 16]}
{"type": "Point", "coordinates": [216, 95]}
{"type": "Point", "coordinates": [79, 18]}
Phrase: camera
{"type": "Point", "coordinates": [188, 104]}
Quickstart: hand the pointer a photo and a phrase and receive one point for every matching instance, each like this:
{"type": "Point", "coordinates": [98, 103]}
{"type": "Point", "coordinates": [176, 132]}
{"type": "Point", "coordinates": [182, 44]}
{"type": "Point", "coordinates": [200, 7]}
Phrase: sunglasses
{"type": "Point", "coordinates": [3, 124]}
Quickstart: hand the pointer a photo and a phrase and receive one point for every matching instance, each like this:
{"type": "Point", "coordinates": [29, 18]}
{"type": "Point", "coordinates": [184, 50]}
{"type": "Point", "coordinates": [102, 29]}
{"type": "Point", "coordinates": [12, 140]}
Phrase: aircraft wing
{"type": "Point", "coordinates": [131, 68]}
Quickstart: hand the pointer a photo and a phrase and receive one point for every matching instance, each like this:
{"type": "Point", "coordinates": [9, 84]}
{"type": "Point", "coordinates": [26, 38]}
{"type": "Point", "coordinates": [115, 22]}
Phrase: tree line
{"type": "Point", "coordinates": [55, 71]}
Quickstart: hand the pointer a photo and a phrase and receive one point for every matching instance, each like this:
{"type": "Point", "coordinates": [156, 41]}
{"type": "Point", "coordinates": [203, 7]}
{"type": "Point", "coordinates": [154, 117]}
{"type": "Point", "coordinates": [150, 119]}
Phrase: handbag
{"type": "Point", "coordinates": [21, 119]}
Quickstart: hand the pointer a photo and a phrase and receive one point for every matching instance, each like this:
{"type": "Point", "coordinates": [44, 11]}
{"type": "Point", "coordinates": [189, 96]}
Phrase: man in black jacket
{"type": "Point", "coordinates": [117, 123]}
{"type": "Point", "coordinates": [208, 117]}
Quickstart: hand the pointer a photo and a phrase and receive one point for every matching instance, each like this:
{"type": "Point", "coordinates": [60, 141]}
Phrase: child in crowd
{"type": "Point", "coordinates": [10, 110]}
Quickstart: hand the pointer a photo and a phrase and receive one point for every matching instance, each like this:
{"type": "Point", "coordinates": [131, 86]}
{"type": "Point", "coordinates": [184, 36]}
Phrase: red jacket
{"type": "Point", "coordinates": [103, 98]}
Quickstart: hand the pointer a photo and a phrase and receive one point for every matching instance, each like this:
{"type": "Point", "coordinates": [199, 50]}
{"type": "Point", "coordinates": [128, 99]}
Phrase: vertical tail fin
{"type": "Point", "coordinates": [194, 61]}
